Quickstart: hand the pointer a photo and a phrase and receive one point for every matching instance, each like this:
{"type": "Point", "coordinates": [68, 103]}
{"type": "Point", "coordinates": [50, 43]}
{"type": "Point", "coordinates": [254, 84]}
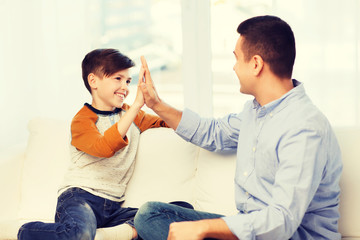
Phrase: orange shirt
{"type": "Point", "coordinates": [87, 138]}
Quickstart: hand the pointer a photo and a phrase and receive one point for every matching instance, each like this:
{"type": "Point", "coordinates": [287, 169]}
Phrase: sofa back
{"type": "Point", "coordinates": [349, 141]}
{"type": "Point", "coordinates": [167, 169]}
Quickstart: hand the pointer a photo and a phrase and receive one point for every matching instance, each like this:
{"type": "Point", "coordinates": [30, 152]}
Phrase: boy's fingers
{"type": "Point", "coordinates": [141, 75]}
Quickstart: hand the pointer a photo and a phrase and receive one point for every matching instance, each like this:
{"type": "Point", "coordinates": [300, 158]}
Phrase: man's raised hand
{"type": "Point", "coordinates": [151, 97]}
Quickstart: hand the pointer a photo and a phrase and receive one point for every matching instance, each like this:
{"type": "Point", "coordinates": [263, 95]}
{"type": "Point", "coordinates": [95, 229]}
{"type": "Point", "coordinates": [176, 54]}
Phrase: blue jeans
{"type": "Point", "coordinates": [78, 215]}
{"type": "Point", "coordinates": [153, 219]}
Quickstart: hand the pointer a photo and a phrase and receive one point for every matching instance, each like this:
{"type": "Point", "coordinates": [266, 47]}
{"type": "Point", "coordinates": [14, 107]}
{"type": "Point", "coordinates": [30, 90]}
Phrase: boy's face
{"type": "Point", "coordinates": [109, 92]}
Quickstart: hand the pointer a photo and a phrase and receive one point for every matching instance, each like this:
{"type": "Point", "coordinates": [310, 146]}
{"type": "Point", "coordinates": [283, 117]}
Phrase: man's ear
{"type": "Point", "coordinates": [92, 81]}
{"type": "Point", "coordinates": [258, 64]}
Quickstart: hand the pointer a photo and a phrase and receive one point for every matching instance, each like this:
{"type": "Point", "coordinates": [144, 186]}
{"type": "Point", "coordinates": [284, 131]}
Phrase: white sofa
{"type": "Point", "coordinates": [167, 169]}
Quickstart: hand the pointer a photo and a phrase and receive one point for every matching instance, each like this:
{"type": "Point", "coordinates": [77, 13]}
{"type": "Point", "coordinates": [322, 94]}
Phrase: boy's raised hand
{"type": "Point", "coordinates": [139, 100]}
{"type": "Point", "coordinates": [151, 97]}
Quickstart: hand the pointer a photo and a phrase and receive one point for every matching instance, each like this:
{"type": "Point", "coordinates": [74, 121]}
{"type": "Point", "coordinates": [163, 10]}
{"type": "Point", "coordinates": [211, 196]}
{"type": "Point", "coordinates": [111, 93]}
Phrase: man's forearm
{"type": "Point", "coordinates": [169, 114]}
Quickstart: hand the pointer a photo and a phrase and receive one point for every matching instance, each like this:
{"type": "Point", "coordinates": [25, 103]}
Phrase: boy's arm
{"type": "Point", "coordinates": [87, 138]}
{"type": "Point", "coordinates": [128, 118]}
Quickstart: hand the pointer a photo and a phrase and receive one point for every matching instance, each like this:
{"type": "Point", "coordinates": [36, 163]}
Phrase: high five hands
{"type": "Point", "coordinates": [147, 87]}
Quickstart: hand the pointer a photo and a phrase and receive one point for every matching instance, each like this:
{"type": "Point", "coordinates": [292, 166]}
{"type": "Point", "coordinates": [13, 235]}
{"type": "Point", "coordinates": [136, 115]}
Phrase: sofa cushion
{"type": "Point", "coordinates": [46, 160]}
{"type": "Point", "coordinates": [164, 169]}
{"type": "Point", "coordinates": [215, 183]}
{"type": "Point", "coordinates": [349, 223]}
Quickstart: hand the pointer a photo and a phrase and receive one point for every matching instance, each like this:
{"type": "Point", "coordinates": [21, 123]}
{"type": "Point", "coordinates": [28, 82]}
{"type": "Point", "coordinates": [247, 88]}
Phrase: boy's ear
{"type": "Point", "coordinates": [92, 81]}
{"type": "Point", "coordinates": [258, 64]}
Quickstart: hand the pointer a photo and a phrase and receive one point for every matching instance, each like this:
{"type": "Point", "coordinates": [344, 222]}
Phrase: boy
{"type": "Point", "coordinates": [104, 141]}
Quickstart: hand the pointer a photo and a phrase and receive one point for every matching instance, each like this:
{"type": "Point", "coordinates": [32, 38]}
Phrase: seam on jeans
{"type": "Point", "coordinates": [168, 212]}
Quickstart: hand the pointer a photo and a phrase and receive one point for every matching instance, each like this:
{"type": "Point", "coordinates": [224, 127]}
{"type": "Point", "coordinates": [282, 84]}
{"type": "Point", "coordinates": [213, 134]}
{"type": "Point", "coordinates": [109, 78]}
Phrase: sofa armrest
{"type": "Point", "coordinates": [11, 164]}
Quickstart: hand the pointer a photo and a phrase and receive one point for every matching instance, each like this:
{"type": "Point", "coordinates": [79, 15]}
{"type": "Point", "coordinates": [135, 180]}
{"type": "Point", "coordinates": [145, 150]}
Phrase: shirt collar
{"type": "Point", "coordinates": [115, 111]}
{"type": "Point", "coordinates": [280, 103]}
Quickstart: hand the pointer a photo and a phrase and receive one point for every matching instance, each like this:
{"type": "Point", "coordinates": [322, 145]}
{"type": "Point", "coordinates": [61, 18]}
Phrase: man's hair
{"type": "Point", "coordinates": [272, 39]}
{"type": "Point", "coordinates": [104, 62]}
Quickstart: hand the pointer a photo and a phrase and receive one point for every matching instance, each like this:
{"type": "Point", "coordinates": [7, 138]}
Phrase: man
{"type": "Point", "coordinates": [288, 159]}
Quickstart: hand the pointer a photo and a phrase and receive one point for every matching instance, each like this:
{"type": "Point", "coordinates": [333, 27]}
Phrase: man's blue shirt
{"type": "Point", "coordinates": [288, 166]}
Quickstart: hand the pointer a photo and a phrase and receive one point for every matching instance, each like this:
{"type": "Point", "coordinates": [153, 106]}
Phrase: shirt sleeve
{"type": "Point", "coordinates": [86, 137]}
{"type": "Point", "coordinates": [145, 121]}
{"type": "Point", "coordinates": [212, 134]}
{"type": "Point", "coordinates": [302, 159]}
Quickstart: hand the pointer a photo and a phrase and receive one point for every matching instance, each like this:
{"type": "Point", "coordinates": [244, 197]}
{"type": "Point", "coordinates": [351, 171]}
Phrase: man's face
{"type": "Point", "coordinates": [242, 68]}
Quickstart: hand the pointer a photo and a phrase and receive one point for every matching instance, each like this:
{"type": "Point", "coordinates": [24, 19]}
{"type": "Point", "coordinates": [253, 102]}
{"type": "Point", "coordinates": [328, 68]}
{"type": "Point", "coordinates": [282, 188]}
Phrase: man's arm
{"type": "Point", "coordinates": [169, 114]}
{"type": "Point", "coordinates": [196, 230]}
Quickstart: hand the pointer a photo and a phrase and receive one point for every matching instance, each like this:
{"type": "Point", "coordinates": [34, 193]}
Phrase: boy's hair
{"type": "Point", "coordinates": [104, 62]}
{"type": "Point", "coordinates": [272, 39]}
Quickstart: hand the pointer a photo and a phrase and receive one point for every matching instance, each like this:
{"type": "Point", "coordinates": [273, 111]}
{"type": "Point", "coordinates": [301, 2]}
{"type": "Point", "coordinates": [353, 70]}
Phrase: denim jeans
{"type": "Point", "coordinates": [153, 219]}
{"type": "Point", "coordinates": [78, 215]}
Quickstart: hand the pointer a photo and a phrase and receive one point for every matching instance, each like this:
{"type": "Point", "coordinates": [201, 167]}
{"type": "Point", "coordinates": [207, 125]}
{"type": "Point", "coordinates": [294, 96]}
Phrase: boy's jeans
{"type": "Point", "coordinates": [78, 214]}
{"type": "Point", "coordinates": [153, 219]}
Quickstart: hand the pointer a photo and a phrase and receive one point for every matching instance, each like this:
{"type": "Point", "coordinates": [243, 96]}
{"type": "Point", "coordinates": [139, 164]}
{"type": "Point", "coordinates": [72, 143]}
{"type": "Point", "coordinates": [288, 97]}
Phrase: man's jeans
{"type": "Point", "coordinates": [153, 219]}
{"type": "Point", "coordinates": [78, 214]}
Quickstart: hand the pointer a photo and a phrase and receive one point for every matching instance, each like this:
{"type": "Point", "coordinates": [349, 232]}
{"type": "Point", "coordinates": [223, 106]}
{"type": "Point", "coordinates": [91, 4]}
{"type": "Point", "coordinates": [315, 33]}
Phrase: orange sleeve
{"type": "Point", "coordinates": [145, 121]}
{"type": "Point", "coordinates": [87, 138]}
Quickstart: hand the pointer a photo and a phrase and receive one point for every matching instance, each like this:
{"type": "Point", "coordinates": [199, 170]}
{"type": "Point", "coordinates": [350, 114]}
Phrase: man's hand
{"type": "Point", "coordinates": [186, 230]}
{"type": "Point", "coordinates": [151, 97]}
{"type": "Point", "coordinates": [197, 230]}
{"type": "Point", "coordinates": [169, 114]}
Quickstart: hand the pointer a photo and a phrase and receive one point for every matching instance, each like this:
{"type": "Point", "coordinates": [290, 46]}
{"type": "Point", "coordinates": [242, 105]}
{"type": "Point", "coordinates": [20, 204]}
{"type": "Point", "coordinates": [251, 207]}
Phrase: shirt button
{"type": "Point", "coordinates": [245, 174]}
{"type": "Point", "coordinates": [254, 149]}
{"type": "Point", "coordinates": [271, 114]}
{"type": "Point", "coordinates": [247, 194]}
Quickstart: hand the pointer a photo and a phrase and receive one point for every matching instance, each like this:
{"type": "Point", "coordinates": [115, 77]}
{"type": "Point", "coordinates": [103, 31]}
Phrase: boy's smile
{"type": "Point", "coordinates": [109, 92]}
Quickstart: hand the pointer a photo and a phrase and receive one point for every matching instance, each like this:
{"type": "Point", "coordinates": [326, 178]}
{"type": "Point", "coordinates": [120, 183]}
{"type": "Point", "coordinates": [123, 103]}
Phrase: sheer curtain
{"type": "Point", "coordinates": [327, 36]}
{"type": "Point", "coordinates": [39, 77]}
{"type": "Point", "coordinates": [327, 62]}
{"type": "Point", "coordinates": [42, 44]}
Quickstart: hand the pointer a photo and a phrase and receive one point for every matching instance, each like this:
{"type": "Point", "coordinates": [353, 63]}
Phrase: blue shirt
{"type": "Point", "coordinates": [287, 171]}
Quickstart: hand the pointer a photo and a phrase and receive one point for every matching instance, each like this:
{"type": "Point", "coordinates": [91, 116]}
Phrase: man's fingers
{"type": "Point", "coordinates": [148, 79]}
{"type": "Point", "coordinates": [143, 62]}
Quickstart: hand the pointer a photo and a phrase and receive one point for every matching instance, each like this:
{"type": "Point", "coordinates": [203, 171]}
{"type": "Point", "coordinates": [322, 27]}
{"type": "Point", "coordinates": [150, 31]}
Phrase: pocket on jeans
{"type": "Point", "coordinates": [65, 196]}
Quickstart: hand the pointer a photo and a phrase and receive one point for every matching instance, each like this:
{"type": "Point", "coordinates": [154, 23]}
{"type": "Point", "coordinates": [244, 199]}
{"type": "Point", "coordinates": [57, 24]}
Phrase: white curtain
{"type": "Point", "coordinates": [328, 39]}
{"type": "Point", "coordinates": [42, 44]}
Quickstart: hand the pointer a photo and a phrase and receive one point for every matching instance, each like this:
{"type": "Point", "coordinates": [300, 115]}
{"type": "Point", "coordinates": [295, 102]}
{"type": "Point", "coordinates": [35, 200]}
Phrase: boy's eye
{"type": "Point", "coordinates": [118, 78]}
{"type": "Point", "coordinates": [128, 81]}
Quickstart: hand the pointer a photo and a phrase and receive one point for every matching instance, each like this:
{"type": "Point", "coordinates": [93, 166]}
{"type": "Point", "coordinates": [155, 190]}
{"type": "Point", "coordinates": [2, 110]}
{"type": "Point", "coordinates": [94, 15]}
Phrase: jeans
{"type": "Point", "coordinates": [78, 215]}
{"type": "Point", "coordinates": [153, 219]}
